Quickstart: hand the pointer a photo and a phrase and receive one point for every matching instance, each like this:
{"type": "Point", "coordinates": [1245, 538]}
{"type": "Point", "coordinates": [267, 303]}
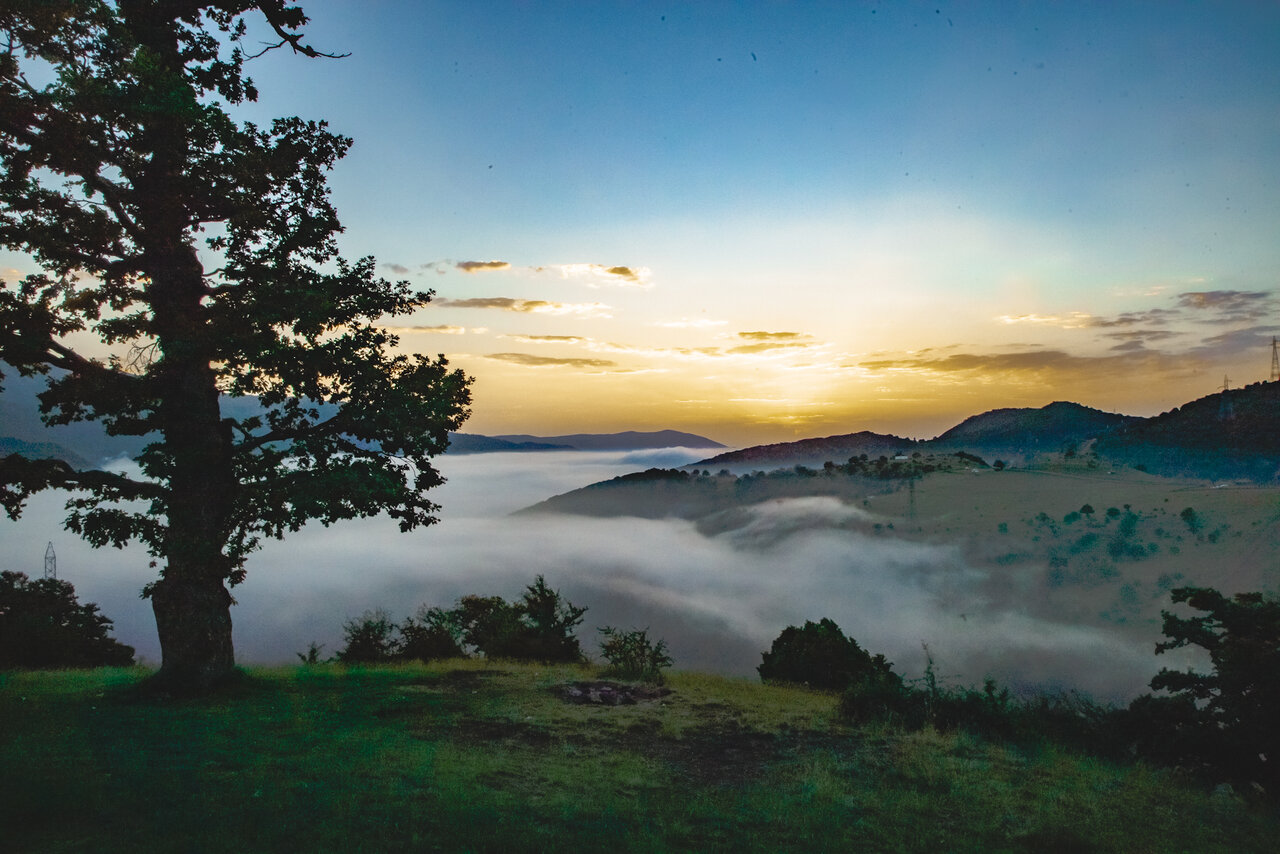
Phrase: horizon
{"type": "Point", "coordinates": [770, 222]}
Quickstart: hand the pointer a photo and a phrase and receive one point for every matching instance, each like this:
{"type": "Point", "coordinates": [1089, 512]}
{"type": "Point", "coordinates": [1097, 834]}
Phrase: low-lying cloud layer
{"type": "Point", "coordinates": [718, 600]}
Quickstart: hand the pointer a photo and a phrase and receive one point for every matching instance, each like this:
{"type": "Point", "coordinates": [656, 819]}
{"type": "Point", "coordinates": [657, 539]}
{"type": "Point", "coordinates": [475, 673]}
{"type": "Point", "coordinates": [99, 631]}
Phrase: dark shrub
{"type": "Point", "coordinates": [370, 639]}
{"type": "Point", "coordinates": [431, 634]}
{"type": "Point", "coordinates": [538, 628]}
{"type": "Point", "coordinates": [820, 656]}
{"type": "Point", "coordinates": [489, 625]}
{"type": "Point", "coordinates": [631, 655]}
{"type": "Point", "coordinates": [549, 622]}
{"type": "Point", "coordinates": [43, 626]}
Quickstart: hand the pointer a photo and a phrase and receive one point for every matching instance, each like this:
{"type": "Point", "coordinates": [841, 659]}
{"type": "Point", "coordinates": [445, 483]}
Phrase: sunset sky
{"type": "Point", "coordinates": [765, 221]}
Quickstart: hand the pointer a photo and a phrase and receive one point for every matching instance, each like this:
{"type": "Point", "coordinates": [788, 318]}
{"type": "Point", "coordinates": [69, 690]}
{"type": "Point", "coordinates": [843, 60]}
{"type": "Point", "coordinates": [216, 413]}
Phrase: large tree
{"type": "Point", "coordinates": [200, 251]}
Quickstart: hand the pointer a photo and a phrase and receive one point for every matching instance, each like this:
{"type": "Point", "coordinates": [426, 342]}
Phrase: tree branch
{"type": "Point", "coordinates": [275, 13]}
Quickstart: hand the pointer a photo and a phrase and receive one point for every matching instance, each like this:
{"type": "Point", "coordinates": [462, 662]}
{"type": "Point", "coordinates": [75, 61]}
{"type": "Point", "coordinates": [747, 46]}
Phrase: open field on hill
{"type": "Point", "coordinates": [469, 756]}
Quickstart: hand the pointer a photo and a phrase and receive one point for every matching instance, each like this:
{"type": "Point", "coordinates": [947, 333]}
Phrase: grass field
{"type": "Point", "coordinates": [469, 756]}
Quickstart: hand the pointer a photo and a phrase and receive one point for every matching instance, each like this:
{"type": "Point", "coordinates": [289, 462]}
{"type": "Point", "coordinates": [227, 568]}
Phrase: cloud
{"type": "Point", "coordinates": [1027, 361]}
{"type": "Point", "coordinates": [549, 339]}
{"type": "Point", "coordinates": [1151, 317]}
{"type": "Point", "coordinates": [398, 269]}
{"type": "Point", "coordinates": [1254, 340]}
{"type": "Point", "coordinates": [597, 274]}
{"type": "Point", "coordinates": [482, 266]}
{"type": "Point", "coordinates": [1223, 300]}
{"type": "Point", "coordinates": [438, 330]}
{"type": "Point", "coordinates": [766, 346]}
{"type": "Point", "coordinates": [774, 336]}
{"type": "Point", "coordinates": [1071, 320]}
{"type": "Point", "coordinates": [532, 361]}
{"type": "Point", "coordinates": [1143, 335]}
{"type": "Point", "coordinates": [1229, 307]}
{"type": "Point", "coordinates": [763, 342]}
{"type": "Point", "coordinates": [534, 306]}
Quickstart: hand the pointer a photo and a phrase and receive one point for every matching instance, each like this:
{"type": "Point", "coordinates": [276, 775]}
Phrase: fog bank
{"type": "Point", "coordinates": [717, 600]}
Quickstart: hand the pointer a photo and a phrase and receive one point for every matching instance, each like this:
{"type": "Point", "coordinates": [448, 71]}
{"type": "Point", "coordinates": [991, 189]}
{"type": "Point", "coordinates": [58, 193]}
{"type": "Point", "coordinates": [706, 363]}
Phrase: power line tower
{"type": "Point", "coordinates": [50, 563]}
{"type": "Point", "coordinates": [1275, 361]}
{"type": "Point", "coordinates": [1226, 411]}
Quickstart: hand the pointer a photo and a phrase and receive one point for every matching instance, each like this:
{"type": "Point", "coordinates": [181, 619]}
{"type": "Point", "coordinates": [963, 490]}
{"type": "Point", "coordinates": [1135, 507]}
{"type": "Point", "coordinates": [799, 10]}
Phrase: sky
{"type": "Point", "coordinates": [764, 221]}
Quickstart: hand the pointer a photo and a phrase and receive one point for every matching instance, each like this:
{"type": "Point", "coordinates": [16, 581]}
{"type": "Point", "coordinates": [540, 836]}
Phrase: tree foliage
{"type": "Point", "coordinates": [632, 655]}
{"type": "Point", "coordinates": [202, 252]}
{"type": "Point", "coordinates": [539, 627]}
{"type": "Point", "coordinates": [1224, 721]}
{"type": "Point", "coordinates": [820, 656]}
{"type": "Point", "coordinates": [42, 625]}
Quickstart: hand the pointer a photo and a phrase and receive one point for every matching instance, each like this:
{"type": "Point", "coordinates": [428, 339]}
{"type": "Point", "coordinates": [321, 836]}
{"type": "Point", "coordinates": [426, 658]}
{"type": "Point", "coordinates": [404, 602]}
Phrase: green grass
{"type": "Point", "coordinates": [467, 756]}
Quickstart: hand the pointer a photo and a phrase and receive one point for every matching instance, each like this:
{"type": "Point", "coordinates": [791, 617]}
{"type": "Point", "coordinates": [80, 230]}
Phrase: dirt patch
{"type": "Point", "coordinates": [499, 731]}
{"type": "Point", "coordinates": [609, 693]}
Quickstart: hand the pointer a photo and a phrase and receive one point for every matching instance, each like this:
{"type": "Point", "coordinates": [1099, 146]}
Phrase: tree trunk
{"type": "Point", "coordinates": [193, 618]}
{"type": "Point", "coordinates": [191, 603]}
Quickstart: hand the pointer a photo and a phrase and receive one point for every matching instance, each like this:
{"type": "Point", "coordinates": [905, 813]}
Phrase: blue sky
{"type": "Point", "coordinates": [768, 220]}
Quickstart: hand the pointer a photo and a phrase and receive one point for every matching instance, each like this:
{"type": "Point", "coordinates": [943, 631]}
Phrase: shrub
{"type": "Point", "coordinates": [631, 655]}
{"type": "Point", "coordinates": [312, 655]}
{"type": "Point", "coordinates": [1192, 519]}
{"type": "Point", "coordinates": [548, 622]}
{"type": "Point", "coordinates": [489, 625]}
{"type": "Point", "coordinates": [820, 656]}
{"type": "Point", "coordinates": [42, 625]}
{"type": "Point", "coordinates": [370, 639]}
{"type": "Point", "coordinates": [538, 628]}
{"type": "Point", "coordinates": [433, 633]}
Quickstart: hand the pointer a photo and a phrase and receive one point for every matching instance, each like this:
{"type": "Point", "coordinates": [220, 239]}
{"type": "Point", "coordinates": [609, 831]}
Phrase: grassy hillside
{"type": "Point", "coordinates": [468, 756]}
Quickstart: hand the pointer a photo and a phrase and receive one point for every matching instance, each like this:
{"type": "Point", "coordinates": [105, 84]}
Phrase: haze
{"type": "Point", "coordinates": [717, 600]}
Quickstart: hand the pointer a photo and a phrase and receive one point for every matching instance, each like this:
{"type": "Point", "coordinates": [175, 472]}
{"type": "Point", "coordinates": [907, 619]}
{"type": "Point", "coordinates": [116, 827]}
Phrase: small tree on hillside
{"type": "Point", "coordinates": [43, 626]}
{"type": "Point", "coordinates": [370, 638]}
{"type": "Point", "coordinates": [550, 621]}
{"type": "Point", "coordinates": [540, 627]}
{"type": "Point", "coordinates": [203, 252]}
{"type": "Point", "coordinates": [1226, 721]}
{"type": "Point", "coordinates": [820, 656]}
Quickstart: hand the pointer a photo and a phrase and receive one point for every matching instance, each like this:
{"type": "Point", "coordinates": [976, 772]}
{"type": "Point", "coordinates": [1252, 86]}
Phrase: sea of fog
{"type": "Point", "coordinates": [717, 600]}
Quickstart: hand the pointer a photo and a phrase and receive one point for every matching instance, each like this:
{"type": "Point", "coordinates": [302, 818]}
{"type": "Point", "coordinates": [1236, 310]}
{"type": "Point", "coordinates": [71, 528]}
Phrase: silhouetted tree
{"type": "Point", "coordinates": [431, 634]}
{"type": "Point", "coordinates": [540, 627]}
{"type": "Point", "coordinates": [43, 626]}
{"type": "Point", "coordinates": [550, 621]}
{"type": "Point", "coordinates": [202, 251]}
{"type": "Point", "coordinates": [820, 656]}
{"type": "Point", "coordinates": [370, 639]}
{"type": "Point", "coordinates": [1225, 720]}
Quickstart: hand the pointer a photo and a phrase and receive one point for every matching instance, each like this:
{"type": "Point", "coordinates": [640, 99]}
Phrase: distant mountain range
{"type": "Point", "coordinates": [1226, 434]}
{"type": "Point", "coordinates": [86, 443]}
{"type": "Point", "coordinates": [630, 440]}
{"type": "Point", "coordinates": [1012, 432]}
{"type": "Point", "coordinates": [812, 452]}
{"type": "Point", "coordinates": [1048, 428]}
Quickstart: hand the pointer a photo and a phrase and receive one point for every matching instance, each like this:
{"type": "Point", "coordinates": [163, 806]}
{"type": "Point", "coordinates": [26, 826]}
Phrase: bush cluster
{"type": "Point", "coordinates": [1219, 725]}
{"type": "Point", "coordinates": [540, 627]}
{"type": "Point", "coordinates": [42, 625]}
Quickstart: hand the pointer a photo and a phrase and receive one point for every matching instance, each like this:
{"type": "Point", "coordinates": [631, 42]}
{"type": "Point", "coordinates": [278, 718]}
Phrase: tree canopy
{"type": "Point", "coordinates": [201, 253]}
{"type": "Point", "coordinates": [1228, 715]}
{"type": "Point", "coordinates": [42, 625]}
